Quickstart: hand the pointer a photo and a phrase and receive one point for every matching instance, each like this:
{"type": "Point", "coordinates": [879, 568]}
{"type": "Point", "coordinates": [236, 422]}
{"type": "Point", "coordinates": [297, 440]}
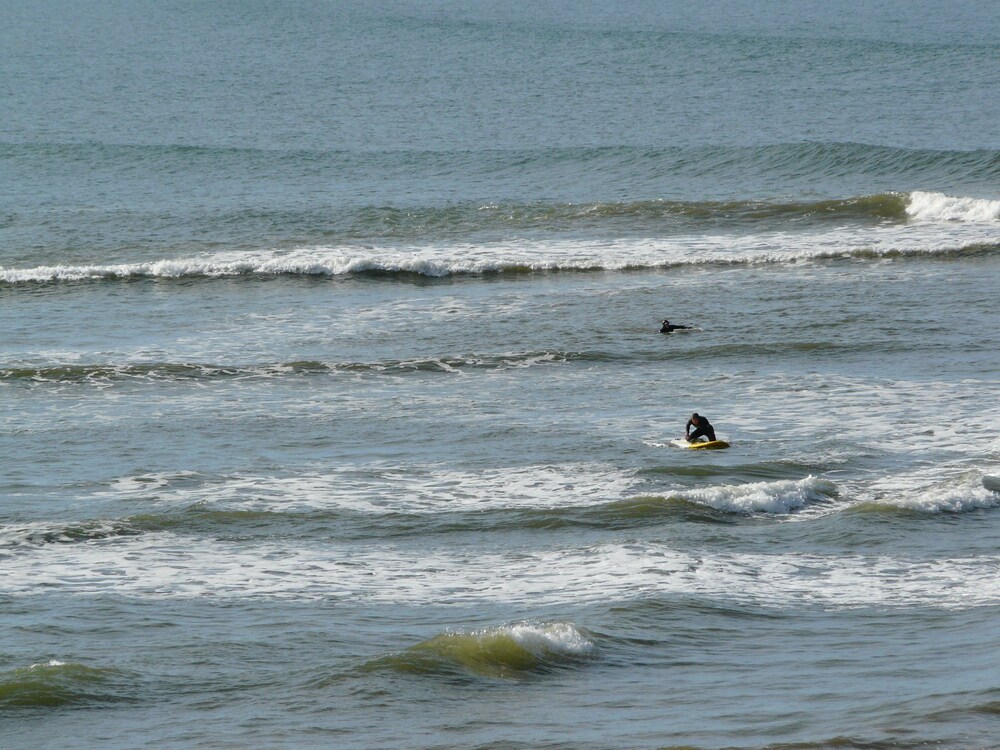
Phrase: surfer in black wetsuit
{"type": "Point", "coordinates": [702, 428]}
{"type": "Point", "coordinates": [667, 327]}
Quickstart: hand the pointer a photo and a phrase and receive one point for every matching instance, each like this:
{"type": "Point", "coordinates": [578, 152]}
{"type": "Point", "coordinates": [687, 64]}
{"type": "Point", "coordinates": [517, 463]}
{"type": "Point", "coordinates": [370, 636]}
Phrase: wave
{"type": "Point", "coordinates": [507, 651]}
{"type": "Point", "coordinates": [938, 207]}
{"type": "Point", "coordinates": [778, 497]}
{"type": "Point", "coordinates": [791, 160]}
{"type": "Point", "coordinates": [303, 508]}
{"type": "Point", "coordinates": [965, 494]}
{"type": "Point", "coordinates": [606, 218]}
{"type": "Point", "coordinates": [174, 371]}
{"type": "Point", "coordinates": [106, 374]}
{"type": "Point", "coordinates": [57, 683]}
{"type": "Point", "coordinates": [42, 533]}
{"type": "Point", "coordinates": [844, 742]}
{"type": "Point", "coordinates": [211, 514]}
{"type": "Point", "coordinates": [931, 224]}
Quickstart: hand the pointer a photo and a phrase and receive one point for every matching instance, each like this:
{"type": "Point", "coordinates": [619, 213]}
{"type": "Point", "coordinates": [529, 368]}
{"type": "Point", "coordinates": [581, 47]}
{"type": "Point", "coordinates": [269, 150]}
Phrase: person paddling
{"type": "Point", "coordinates": [702, 428]}
{"type": "Point", "coordinates": [667, 327]}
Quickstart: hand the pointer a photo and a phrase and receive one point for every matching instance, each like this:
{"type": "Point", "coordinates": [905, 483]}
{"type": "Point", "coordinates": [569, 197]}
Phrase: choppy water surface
{"type": "Point", "coordinates": [334, 411]}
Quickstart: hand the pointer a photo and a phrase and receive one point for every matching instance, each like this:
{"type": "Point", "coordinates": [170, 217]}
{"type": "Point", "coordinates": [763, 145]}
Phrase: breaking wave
{"type": "Point", "coordinates": [507, 651]}
{"type": "Point", "coordinates": [966, 494]}
{"type": "Point", "coordinates": [764, 497]}
{"type": "Point", "coordinates": [938, 207]}
{"type": "Point", "coordinates": [919, 224]}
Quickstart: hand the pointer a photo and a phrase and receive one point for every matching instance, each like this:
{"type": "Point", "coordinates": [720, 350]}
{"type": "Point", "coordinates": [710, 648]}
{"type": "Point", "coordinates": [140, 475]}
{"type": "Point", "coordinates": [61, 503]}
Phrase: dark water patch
{"type": "Point", "coordinates": [924, 509]}
{"type": "Point", "coordinates": [731, 614]}
{"type": "Point", "coordinates": [975, 250]}
{"type": "Point", "coordinates": [654, 509]}
{"type": "Point", "coordinates": [236, 524]}
{"type": "Point", "coordinates": [991, 708]}
{"type": "Point", "coordinates": [811, 350]}
{"type": "Point", "coordinates": [847, 742]}
{"type": "Point", "coordinates": [56, 684]}
{"type": "Point", "coordinates": [887, 510]}
{"type": "Point", "coordinates": [494, 221]}
{"type": "Point", "coordinates": [101, 374]}
{"type": "Point", "coordinates": [245, 525]}
{"type": "Point", "coordinates": [764, 470]}
{"type": "Point", "coordinates": [969, 704]}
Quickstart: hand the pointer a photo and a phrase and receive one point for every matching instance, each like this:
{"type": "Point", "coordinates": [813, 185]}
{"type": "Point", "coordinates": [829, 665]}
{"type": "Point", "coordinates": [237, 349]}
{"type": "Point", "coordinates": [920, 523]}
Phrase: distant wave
{"type": "Point", "coordinates": [102, 374]}
{"type": "Point", "coordinates": [376, 223]}
{"type": "Point", "coordinates": [341, 262]}
{"type": "Point", "coordinates": [817, 159]}
{"type": "Point", "coordinates": [935, 225]}
{"type": "Point", "coordinates": [157, 371]}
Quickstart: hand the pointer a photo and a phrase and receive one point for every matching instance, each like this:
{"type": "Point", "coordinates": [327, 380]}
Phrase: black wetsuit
{"type": "Point", "coordinates": [668, 327]}
{"type": "Point", "coordinates": [702, 429]}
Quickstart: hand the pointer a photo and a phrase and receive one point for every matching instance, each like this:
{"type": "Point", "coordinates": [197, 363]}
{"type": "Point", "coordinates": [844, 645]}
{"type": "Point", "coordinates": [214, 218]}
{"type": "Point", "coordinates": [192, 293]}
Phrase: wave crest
{"type": "Point", "coordinates": [56, 684]}
{"type": "Point", "coordinates": [178, 371]}
{"type": "Point", "coordinates": [765, 497]}
{"type": "Point", "coordinates": [507, 651]}
{"type": "Point", "coordinates": [969, 493]}
{"type": "Point", "coordinates": [939, 207]}
{"type": "Point", "coordinates": [931, 231]}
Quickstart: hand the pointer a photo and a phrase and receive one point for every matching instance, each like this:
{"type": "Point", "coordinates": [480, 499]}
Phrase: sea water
{"type": "Point", "coordinates": [335, 414]}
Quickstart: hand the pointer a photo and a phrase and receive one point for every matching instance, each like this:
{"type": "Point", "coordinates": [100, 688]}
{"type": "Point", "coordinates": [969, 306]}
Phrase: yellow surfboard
{"type": "Point", "coordinates": [711, 445]}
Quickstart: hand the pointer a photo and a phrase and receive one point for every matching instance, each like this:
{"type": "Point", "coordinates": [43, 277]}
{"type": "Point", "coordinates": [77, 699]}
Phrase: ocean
{"type": "Point", "coordinates": [334, 411]}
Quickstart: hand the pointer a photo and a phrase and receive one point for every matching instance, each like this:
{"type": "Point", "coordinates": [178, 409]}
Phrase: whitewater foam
{"type": "Point", "coordinates": [562, 638]}
{"type": "Point", "coordinates": [764, 497]}
{"type": "Point", "coordinates": [924, 206]}
{"type": "Point", "coordinates": [961, 495]}
{"type": "Point", "coordinates": [366, 489]}
{"type": "Point", "coordinates": [41, 532]}
{"type": "Point", "coordinates": [149, 566]}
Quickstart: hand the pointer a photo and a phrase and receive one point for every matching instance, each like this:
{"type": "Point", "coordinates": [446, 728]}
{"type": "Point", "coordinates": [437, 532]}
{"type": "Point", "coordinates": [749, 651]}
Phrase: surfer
{"type": "Point", "coordinates": [702, 428]}
{"type": "Point", "coordinates": [667, 327]}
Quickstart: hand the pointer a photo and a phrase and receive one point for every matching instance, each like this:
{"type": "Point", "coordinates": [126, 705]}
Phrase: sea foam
{"type": "Point", "coordinates": [764, 497]}
{"type": "Point", "coordinates": [959, 496]}
{"type": "Point", "coordinates": [939, 207]}
{"type": "Point", "coordinates": [412, 489]}
{"type": "Point", "coordinates": [465, 575]}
